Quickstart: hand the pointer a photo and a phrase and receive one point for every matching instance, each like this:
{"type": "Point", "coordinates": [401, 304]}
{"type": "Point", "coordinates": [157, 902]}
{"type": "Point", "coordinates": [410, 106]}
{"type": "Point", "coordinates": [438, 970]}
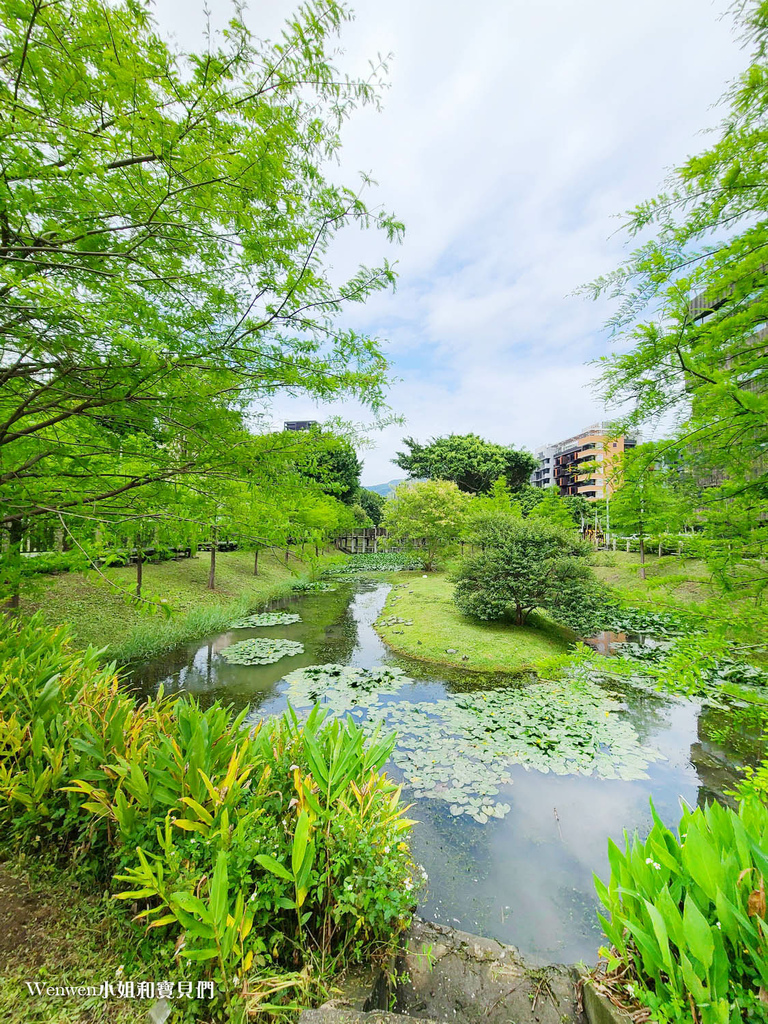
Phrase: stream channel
{"type": "Point", "coordinates": [515, 784]}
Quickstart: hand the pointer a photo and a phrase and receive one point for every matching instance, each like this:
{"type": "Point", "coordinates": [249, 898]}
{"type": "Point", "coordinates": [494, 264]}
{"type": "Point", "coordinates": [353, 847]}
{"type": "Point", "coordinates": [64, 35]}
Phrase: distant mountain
{"type": "Point", "coordinates": [384, 489]}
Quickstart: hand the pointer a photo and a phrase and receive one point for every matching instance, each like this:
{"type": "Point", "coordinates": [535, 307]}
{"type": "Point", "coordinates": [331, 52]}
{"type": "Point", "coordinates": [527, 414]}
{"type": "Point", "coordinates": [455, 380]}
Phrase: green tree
{"type": "Point", "coordinates": [373, 503]}
{"type": "Point", "coordinates": [164, 221]}
{"type": "Point", "coordinates": [528, 497]}
{"type": "Point", "coordinates": [553, 509]}
{"type": "Point", "coordinates": [426, 519]}
{"type": "Point", "coordinates": [530, 564]}
{"type": "Point", "coordinates": [692, 320]}
{"type": "Point", "coordinates": [644, 504]}
{"type": "Point", "coordinates": [471, 462]}
{"type": "Point", "coordinates": [333, 463]}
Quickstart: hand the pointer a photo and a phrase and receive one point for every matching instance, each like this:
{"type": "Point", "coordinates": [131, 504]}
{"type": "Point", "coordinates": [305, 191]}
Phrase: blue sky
{"type": "Point", "coordinates": [512, 137]}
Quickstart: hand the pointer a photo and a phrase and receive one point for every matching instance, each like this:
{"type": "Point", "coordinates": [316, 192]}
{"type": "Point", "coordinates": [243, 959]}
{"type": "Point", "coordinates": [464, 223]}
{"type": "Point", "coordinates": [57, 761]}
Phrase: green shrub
{"type": "Point", "coordinates": [248, 850]}
{"type": "Point", "coordinates": [53, 561]}
{"type": "Point", "coordinates": [688, 916]}
{"type": "Point", "coordinates": [529, 564]}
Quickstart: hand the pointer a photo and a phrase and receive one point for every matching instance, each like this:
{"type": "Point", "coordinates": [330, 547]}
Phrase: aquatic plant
{"type": "Point", "coordinates": [379, 561]}
{"type": "Point", "coordinates": [266, 619]}
{"type": "Point", "coordinates": [460, 749]}
{"type": "Point", "coordinates": [342, 688]}
{"type": "Point", "coordinates": [261, 651]}
{"type": "Point", "coordinates": [688, 916]}
{"type": "Point", "coordinates": [313, 587]}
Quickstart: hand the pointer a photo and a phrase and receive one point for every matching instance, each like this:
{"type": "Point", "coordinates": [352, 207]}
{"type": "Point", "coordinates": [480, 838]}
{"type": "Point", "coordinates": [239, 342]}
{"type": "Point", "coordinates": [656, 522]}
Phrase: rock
{"type": "Point", "coordinates": [465, 657]}
{"type": "Point", "coordinates": [455, 976]}
{"type": "Point", "coordinates": [600, 1010]}
{"type": "Point", "coordinates": [451, 650]}
{"type": "Point", "coordinates": [335, 1012]}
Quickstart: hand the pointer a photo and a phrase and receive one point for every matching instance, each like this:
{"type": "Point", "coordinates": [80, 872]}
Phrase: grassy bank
{"type": "Point", "coordinates": [99, 614]}
{"type": "Point", "coordinates": [670, 582]}
{"type": "Point", "coordinates": [438, 626]}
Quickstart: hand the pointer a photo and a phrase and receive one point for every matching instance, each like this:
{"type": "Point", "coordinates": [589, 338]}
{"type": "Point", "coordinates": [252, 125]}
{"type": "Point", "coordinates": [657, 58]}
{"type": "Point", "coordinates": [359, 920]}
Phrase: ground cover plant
{"type": "Point", "coordinates": [261, 651]}
{"type": "Point", "coordinates": [257, 858]}
{"type": "Point", "coordinates": [687, 922]}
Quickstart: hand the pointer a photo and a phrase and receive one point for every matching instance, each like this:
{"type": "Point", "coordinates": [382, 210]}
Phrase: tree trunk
{"type": "Point", "coordinates": [139, 567]}
{"type": "Point", "coordinates": [660, 552]}
{"type": "Point", "coordinates": [627, 547]}
{"type": "Point", "coordinates": [256, 562]}
{"type": "Point", "coordinates": [13, 558]}
{"type": "Point", "coordinates": [642, 558]}
{"type": "Point", "coordinates": [287, 552]}
{"type": "Point", "coordinates": [212, 573]}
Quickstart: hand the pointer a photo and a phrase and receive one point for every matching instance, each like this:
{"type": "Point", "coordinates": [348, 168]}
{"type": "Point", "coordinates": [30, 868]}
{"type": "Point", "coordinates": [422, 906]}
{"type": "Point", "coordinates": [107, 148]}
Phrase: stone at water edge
{"type": "Point", "coordinates": [455, 976]}
{"type": "Point", "coordinates": [334, 1012]}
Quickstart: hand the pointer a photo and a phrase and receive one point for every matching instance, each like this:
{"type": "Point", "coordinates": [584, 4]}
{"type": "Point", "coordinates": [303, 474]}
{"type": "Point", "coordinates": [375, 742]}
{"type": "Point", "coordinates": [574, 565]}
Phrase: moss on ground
{"type": "Point", "coordinates": [100, 614]}
{"type": "Point", "coordinates": [438, 626]}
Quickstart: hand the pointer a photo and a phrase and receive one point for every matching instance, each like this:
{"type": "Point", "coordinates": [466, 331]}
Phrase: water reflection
{"type": "Point", "coordinates": [525, 879]}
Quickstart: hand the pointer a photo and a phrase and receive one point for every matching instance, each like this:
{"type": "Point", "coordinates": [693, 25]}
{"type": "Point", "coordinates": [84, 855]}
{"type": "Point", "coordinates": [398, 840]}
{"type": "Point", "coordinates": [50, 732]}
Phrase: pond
{"type": "Point", "coordinates": [515, 785]}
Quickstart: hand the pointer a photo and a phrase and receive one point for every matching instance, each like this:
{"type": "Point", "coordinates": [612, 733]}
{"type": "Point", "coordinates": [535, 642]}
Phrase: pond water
{"type": "Point", "coordinates": [516, 785]}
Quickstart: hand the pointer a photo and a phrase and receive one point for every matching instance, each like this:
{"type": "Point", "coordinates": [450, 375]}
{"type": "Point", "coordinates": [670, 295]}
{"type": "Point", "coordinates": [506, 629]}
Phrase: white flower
{"type": "Point", "coordinates": [718, 924]}
{"type": "Point", "coordinates": [386, 849]}
{"type": "Point", "coordinates": [407, 885]}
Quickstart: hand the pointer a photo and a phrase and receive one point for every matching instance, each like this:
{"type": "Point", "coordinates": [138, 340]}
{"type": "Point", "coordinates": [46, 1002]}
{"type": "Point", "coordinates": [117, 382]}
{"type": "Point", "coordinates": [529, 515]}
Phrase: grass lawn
{"type": "Point", "coordinates": [439, 625]}
{"type": "Point", "coordinates": [670, 581]}
{"type": "Point", "coordinates": [100, 614]}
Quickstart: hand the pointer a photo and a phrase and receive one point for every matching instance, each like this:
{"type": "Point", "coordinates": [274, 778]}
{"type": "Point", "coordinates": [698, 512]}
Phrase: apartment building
{"type": "Point", "coordinates": [594, 449]}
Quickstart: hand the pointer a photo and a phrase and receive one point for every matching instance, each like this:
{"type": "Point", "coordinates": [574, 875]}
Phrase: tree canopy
{"type": "Point", "coordinates": [693, 320]}
{"type": "Point", "coordinates": [334, 464]}
{"type": "Point", "coordinates": [529, 564]}
{"type": "Point", "coordinates": [426, 518]}
{"type": "Point", "coordinates": [164, 220]}
{"type": "Point", "coordinates": [472, 463]}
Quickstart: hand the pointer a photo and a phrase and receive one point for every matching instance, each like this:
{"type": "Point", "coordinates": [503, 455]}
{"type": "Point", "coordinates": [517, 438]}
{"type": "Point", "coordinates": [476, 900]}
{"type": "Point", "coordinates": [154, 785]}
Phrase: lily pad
{"type": "Point", "coordinates": [266, 619]}
{"type": "Point", "coordinates": [460, 749]}
{"type": "Point", "coordinates": [261, 651]}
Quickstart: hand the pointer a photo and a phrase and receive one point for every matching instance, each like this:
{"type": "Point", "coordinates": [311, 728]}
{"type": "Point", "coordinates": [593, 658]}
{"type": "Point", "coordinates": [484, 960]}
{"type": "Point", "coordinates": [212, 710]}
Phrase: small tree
{"type": "Point", "coordinates": [553, 509]}
{"type": "Point", "coordinates": [529, 564]}
{"type": "Point", "coordinates": [426, 518]}
{"type": "Point", "coordinates": [645, 503]}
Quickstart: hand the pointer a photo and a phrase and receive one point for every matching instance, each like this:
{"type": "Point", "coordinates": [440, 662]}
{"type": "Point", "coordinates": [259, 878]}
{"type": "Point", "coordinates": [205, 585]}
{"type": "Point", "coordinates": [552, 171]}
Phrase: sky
{"type": "Point", "coordinates": [513, 137]}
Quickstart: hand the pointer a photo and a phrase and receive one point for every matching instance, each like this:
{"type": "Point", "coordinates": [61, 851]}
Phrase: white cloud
{"type": "Point", "coordinates": [511, 136]}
